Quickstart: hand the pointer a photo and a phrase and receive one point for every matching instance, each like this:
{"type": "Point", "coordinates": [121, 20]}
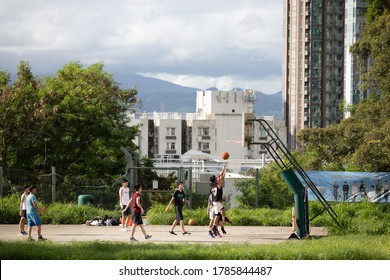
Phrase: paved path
{"type": "Point", "coordinates": [235, 234]}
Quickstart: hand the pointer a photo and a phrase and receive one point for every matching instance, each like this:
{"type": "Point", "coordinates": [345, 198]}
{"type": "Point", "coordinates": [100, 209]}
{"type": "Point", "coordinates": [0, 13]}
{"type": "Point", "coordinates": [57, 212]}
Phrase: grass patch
{"type": "Point", "coordinates": [349, 247]}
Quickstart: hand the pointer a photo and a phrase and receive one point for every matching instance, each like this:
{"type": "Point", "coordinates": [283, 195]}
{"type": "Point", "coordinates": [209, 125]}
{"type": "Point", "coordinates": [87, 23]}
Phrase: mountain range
{"type": "Point", "coordinates": [163, 96]}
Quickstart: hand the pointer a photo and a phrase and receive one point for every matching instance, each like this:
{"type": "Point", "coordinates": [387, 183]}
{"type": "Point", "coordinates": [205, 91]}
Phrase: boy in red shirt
{"type": "Point", "coordinates": [138, 210]}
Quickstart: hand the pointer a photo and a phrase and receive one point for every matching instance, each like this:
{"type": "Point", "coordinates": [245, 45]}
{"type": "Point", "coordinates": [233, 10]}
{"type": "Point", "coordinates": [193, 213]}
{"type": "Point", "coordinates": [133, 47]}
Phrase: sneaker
{"type": "Point", "coordinates": [133, 239]}
{"type": "Point", "coordinates": [227, 220]}
{"type": "Point", "coordinates": [171, 232]}
{"type": "Point", "coordinates": [186, 233]}
{"type": "Point", "coordinates": [30, 239]}
{"type": "Point", "coordinates": [148, 236]}
{"type": "Point", "coordinates": [218, 234]}
{"type": "Point", "coordinates": [215, 230]}
{"type": "Point", "coordinates": [211, 234]}
{"type": "Point", "coordinates": [124, 229]}
{"type": "Point", "coordinates": [24, 233]}
{"type": "Point", "coordinates": [223, 230]}
{"type": "Point", "coordinates": [41, 238]}
{"type": "Point", "coordinates": [21, 233]}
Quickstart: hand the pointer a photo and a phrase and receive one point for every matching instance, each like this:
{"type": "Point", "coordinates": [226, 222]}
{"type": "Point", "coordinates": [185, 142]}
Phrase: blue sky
{"type": "Point", "coordinates": [194, 43]}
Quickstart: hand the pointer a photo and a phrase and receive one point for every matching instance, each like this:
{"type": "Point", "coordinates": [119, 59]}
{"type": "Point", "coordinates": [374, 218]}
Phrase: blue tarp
{"type": "Point", "coordinates": [325, 181]}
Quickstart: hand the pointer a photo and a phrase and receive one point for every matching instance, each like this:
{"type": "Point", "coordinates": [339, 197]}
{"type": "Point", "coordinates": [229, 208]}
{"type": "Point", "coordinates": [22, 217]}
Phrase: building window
{"type": "Point", "coordinates": [263, 133]}
{"type": "Point", "coordinates": [171, 131]}
{"type": "Point", "coordinates": [204, 131]}
{"type": "Point", "coordinates": [171, 146]}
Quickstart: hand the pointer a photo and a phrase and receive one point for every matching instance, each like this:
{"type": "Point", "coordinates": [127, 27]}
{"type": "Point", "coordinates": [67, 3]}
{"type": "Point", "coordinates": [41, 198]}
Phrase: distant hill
{"type": "Point", "coordinates": [159, 95]}
{"type": "Point", "coordinates": [163, 96]}
{"type": "Point", "coordinates": [270, 105]}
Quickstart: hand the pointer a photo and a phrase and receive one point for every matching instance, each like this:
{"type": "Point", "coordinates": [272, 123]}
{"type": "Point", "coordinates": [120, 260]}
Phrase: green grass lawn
{"type": "Point", "coordinates": [347, 247]}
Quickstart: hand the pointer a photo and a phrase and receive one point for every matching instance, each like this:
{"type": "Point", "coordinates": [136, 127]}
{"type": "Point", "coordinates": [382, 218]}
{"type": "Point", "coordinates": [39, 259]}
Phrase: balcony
{"type": "Point", "coordinates": [170, 137]}
{"type": "Point", "coordinates": [170, 152]}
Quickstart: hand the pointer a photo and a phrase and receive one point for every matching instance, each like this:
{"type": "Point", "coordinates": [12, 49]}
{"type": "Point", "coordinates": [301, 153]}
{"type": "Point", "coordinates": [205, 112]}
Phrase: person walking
{"type": "Point", "coordinates": [137, 211]}
{"type": "Point", "coordinates": [124, 198]}
{"type": "Point", "coordinates": [178, 198]}
{"type": "Point", "coordinates": [33, 210]}
{"type": "Point", "coordinates": [22, 210]}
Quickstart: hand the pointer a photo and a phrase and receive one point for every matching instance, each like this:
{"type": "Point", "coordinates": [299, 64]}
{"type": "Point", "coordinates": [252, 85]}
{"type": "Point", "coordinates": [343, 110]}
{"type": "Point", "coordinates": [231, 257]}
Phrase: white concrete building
{"type": "Point", "coordinates": [217, 126]}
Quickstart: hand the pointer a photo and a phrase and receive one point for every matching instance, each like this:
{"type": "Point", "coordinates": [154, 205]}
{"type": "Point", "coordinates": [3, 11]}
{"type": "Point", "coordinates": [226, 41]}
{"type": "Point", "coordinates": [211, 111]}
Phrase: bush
{"type": "Point", "coordinates": [158, 216]}
{"type": "Point", "coordinates": [356, 218]}
{"type": "Point", "coordinates": [57, 213]}
{"type": "Point", "coordinates": [9, 209]}
{"type": "Point", "coordinates": [239, 217]}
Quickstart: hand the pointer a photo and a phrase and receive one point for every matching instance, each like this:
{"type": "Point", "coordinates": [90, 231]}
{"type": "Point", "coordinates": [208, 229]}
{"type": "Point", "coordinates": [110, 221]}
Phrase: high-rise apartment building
{"type": "Point", "coordinates": [315, 66]}
{"type": "Point", "coordinates": [354, 24]}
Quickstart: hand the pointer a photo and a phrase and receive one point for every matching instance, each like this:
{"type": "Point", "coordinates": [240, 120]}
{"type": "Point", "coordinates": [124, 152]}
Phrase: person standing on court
{"type": "Point", "coordinates": [22, 210]}
{"type": "Point", "coordinates": [124, 198]}
{"type": "Point", "coordinates": [33, 211]}
{"type": "Point", "coordinates": [179, 198]}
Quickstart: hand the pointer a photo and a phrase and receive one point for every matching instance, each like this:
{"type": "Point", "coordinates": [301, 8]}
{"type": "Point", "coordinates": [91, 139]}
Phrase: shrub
{"type": "Point", "coordinates": [57, 213]}
{"type": "Point", "coordinates": [9, 209]}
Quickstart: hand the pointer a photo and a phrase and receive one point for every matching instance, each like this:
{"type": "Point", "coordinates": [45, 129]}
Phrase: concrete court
{"type": "Point", "coordinates": [235, 234]}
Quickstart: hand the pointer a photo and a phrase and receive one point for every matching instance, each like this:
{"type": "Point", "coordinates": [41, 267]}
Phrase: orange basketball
{"type": "Point", "coordinates": [191, 222]}
{"type": "Point", "coordinates": [225, 155]}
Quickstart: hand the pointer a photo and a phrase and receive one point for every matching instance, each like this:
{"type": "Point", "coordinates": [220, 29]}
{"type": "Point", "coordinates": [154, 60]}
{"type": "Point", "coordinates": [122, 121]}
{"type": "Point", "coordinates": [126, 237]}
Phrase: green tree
{"type": "Point", "coordinates": [76, 120]}
{"type": "Point", "coordinates": [19, 107]}
{"type": "Point", "coordinates": [85, 120]}
{"type": "Point", "coordinates": [375, 45]}
{"type": "Point", "coordinates": [273, 191]}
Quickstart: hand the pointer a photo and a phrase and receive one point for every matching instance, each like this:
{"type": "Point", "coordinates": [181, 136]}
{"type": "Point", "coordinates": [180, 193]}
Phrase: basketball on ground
{"type": "Point", "coordinates": [191, 222]}
{"type": "Point", "coordinates": [225, 155]}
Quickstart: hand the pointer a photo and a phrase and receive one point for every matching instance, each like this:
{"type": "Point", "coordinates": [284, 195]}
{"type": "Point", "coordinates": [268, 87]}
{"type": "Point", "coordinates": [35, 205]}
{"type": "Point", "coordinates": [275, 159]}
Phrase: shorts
{"type": "Point", "coordinates": [137, 219]}
{"type": "Point", "coordinates": [179, 213]}
{"type": "Point", "coordinates": [127, 212]}
{"type": "Point", "coordinates": [33, 219]}
{"type": "Point", "coordinates": [212, 213]}
{"type": "Point", "coordinates": [24, 214]}
{"type": "Point", "coordinates": [218, 206]}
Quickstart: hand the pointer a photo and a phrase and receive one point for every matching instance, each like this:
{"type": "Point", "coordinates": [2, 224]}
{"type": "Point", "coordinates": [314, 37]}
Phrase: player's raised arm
{"type": "Point", "coordinates": [221, 175]}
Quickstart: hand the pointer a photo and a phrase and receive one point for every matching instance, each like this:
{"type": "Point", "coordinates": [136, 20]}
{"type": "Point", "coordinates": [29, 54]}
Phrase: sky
{"type": "Point", "coordinates": [195, 43]}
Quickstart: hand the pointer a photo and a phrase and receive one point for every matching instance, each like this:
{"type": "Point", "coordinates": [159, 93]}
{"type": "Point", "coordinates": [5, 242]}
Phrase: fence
{"type": "Point", "coordinates": [53, 187]}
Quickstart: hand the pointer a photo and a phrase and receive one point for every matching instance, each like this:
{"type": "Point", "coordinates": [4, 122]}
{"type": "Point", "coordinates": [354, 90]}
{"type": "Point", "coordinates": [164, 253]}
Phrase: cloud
{"type": "Point", "coordinates": [224, 40]}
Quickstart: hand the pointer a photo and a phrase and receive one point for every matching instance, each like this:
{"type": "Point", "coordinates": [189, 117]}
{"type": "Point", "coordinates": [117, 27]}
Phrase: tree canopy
{"type": "Point", "coordinates": [75, 120]}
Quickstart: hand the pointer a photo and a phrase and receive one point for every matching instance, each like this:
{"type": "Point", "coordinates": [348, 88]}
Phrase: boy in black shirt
{"type": "Point", "coordinates": [179, 197]}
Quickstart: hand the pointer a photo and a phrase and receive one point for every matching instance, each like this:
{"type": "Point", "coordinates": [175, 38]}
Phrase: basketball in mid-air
{"type": "Point", "coordinates": [225, 155]}
{"type": "Point", "coordinates": [191, 222]}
